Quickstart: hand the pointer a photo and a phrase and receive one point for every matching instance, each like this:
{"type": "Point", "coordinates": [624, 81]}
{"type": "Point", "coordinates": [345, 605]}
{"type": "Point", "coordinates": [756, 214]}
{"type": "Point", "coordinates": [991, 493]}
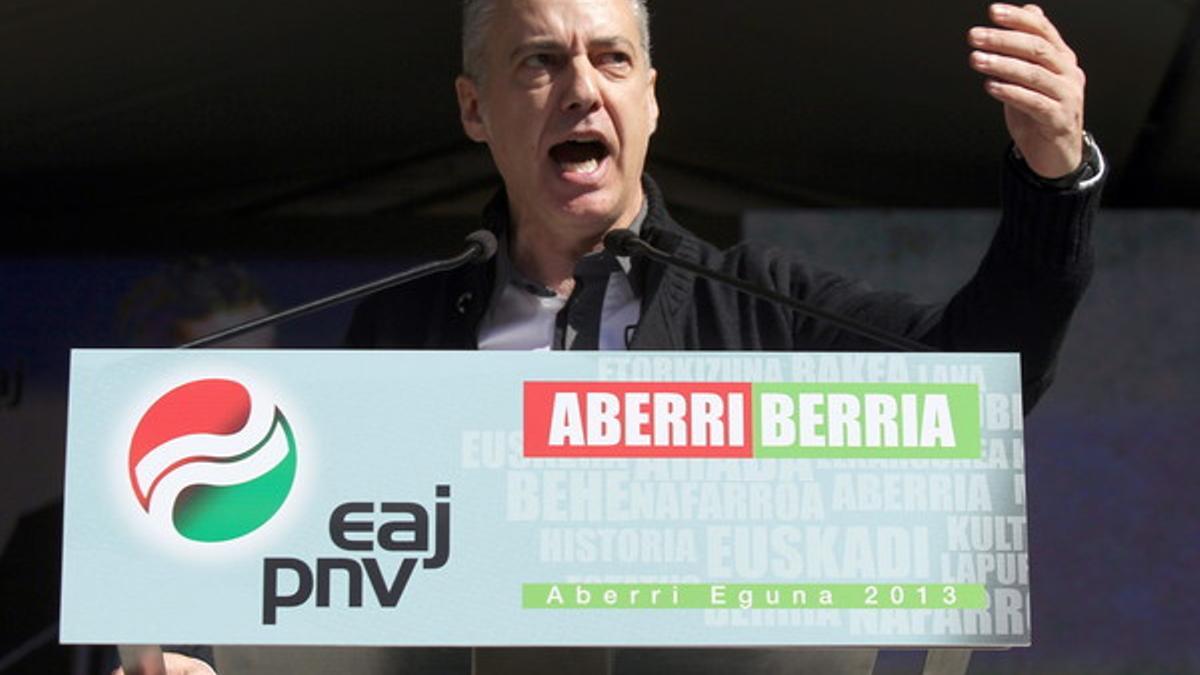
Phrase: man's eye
{"type": "Point", "coordinates": [538, 61]}
{"type": "Point", "coordinates": [616, 58]}
{"type": "Point", "coordinates": [617, 62]}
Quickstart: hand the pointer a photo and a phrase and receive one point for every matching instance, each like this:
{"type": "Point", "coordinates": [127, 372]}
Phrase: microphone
{"type": "Point", "coordinates": [627, 243]}
{"type": "Point", "coordinates": [480, 247]}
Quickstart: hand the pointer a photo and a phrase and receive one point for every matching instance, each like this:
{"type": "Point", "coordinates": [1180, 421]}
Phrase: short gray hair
{"type": "Point", "coordinates": [478, 13]}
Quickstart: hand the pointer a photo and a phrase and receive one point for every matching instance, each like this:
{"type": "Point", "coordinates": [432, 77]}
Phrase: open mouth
{"type": "Point", "coordinates": [579, 156]}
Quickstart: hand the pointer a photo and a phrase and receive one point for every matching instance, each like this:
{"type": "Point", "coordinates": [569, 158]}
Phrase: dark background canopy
{"type": "Point", "coordinates": [120, 112]}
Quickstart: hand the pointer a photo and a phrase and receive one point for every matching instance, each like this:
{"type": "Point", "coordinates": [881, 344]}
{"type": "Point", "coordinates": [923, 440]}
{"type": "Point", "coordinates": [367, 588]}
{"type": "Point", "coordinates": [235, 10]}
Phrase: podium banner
{"type": "Point", "coordinates": [545, 499]}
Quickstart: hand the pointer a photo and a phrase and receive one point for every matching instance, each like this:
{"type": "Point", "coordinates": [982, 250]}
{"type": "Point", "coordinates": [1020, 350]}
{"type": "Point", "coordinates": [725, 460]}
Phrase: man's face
{"type": "Point", "coordinates": [566, 106]}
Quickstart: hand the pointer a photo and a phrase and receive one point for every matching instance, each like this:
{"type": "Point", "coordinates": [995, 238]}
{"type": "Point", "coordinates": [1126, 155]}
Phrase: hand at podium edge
{"type": "Point", "coordinates": [178, 664]}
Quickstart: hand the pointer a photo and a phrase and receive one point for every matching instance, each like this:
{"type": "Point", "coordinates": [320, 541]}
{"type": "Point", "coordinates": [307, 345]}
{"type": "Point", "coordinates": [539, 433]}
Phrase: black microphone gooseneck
{"type": "Point", "coordinates": [481, 246]}
{"type": "Point", "coordinates": [627, 243]}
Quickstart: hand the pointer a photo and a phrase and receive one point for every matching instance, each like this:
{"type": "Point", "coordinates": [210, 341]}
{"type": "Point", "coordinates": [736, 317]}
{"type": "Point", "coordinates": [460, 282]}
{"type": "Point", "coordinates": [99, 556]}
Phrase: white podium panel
{"type": "Point", "coordinates": [545, 499]}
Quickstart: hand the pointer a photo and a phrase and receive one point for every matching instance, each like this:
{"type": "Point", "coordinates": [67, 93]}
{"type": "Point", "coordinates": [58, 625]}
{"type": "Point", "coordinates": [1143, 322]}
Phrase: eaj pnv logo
{"type": "Point", "coordinates": [210, 462]}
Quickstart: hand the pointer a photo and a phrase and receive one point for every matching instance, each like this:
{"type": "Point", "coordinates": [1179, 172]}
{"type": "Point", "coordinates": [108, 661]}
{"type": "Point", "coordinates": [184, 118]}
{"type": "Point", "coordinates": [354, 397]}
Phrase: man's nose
{"type": "Point", "coordinates": [582, 89]}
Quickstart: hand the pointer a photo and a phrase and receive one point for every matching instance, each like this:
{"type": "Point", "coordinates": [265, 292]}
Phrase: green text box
{"type": "Point", "coordinates": [753, 596]}
{"type": "Point", "coordinates": [866, 420]}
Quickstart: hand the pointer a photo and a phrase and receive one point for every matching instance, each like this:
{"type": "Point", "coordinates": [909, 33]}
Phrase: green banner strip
{"type": "Point", "coordinates": [754, 596]}
{"type": "Point", "coordinates": [867, 420]}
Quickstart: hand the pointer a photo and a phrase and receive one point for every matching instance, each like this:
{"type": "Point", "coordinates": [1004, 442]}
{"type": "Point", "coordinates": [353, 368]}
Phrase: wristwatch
{"type": "Point", "coordinates": [1090, 168]}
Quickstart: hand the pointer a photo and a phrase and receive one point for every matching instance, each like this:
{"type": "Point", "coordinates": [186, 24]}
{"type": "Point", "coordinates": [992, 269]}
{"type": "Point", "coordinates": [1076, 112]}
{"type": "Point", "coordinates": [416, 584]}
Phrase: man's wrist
{"type": "Point", "coordinates": [1090, 168]}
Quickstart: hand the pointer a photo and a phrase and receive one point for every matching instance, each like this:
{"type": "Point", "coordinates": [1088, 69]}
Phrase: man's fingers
{"type": "Point", "coordinates": [1025, 46]}
{"type": "Point", "coordinates": [178, 664]}
{"type": "Point", "coordinates": [1047, 26]}
{"type": "Point", "coordinates": [1047, 111]}
{"type": "Point", "coordinates": [1032, 71]}
{"type": "Point", "coordinates": [1027, 19]}
{"type": "Point", "coordinates": [1024, 74]}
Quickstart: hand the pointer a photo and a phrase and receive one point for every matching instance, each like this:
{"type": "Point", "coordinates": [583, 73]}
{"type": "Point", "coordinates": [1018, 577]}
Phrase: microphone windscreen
{"type": "Point", "coordinates": [486, 242]}
{"type": "Point", "coordinates": [621, 242]}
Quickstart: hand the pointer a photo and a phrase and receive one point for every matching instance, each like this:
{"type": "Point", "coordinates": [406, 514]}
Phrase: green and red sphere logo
{"type": "Point", "coordinates": [222, 467]}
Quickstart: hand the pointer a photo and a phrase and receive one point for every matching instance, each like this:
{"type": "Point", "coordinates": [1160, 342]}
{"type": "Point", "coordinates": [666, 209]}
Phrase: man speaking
{"type": "Point", "coordinates": [563, 94]}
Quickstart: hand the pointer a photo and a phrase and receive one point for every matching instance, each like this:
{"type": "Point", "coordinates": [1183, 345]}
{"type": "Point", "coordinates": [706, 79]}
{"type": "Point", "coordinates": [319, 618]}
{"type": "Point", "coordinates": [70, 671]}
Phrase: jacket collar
{"type": "Point", "coordinates": [665, 291]}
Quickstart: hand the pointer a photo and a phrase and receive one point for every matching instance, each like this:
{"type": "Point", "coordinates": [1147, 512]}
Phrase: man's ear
{"type": "Point", "coordinates": [653, 102]}
{"type": "Point", "coordinates": [468, 109]}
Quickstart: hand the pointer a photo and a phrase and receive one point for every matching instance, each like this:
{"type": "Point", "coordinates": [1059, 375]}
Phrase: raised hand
{"type": "Point", "coordinates": [1032, 71]}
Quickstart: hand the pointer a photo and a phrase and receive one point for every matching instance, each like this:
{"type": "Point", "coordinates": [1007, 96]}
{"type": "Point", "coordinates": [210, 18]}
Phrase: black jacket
{"type": "Point", "coordinates": [1020, 299]}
